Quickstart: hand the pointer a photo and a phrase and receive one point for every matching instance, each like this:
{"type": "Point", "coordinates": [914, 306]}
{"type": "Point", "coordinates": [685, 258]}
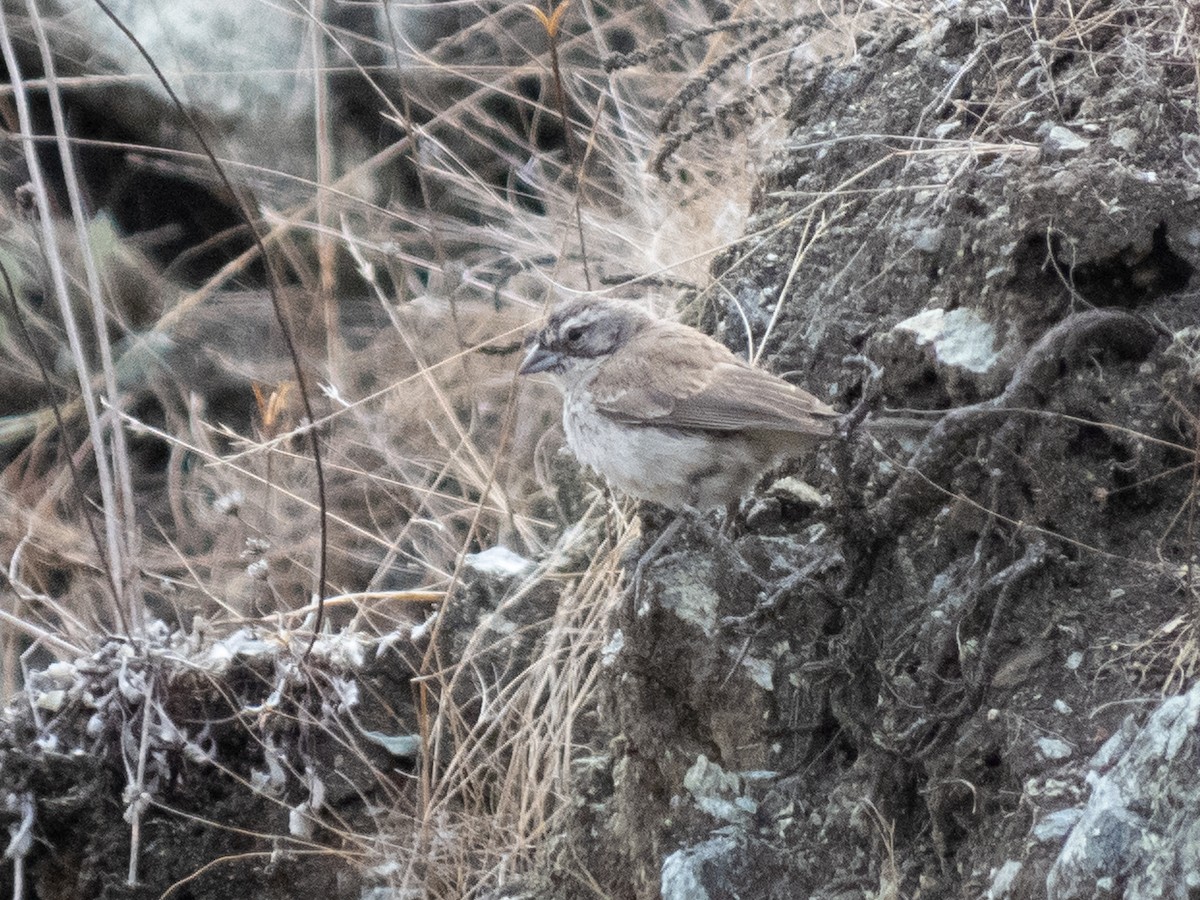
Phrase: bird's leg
{"type": "Point", "coordinates": [655, 549]}
{"type": "Point", "coordinates": [721, 537]}
{"type": "Point", "coordinates": [869, 399]}
{"type": "Point", "coordinates": [733, 525]}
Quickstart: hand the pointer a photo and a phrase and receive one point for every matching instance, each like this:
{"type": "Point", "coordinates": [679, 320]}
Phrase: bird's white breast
{"type": "Point", "coordinates": [665, 465]}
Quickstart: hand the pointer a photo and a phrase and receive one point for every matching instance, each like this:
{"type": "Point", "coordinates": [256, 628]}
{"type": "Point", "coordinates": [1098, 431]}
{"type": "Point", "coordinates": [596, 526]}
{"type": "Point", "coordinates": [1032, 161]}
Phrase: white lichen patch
{"type": "Point", "coordinates": [760, 671]}
{"type": "Point", "coordinates": [686, 588]}
{"type": "Point", "coordinates": [717, 792]}
{"type": "Point", "coordinates": [959, 338]}
{"type": "Point", "coordinates": [499, 562]}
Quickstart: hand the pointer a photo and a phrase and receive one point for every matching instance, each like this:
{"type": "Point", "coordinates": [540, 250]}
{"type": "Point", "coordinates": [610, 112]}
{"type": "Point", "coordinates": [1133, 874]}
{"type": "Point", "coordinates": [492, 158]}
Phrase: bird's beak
{"type": "Point", "coordinates": [539, 359]}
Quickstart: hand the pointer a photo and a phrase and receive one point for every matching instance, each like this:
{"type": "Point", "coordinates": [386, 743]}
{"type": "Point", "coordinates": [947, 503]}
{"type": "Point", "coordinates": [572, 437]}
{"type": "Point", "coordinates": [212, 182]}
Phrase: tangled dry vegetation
{"type": "Point", "coordinates": [162, 528]}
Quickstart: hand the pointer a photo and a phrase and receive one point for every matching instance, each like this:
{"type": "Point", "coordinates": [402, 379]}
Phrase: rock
{"type": "Point", "coordinates": [611, 650]}
{"type": "Point", "coordinates": [235, 82]}
{"type": "Point", "coordinates": [696, 873]}
{"type": "Point", "coordinates": [798, 493]}
{"type": "Point", "coordinates": [1002, 881]}
{"type": "Point", "coordinates": [1142, 821]}
{"type": "Point", "coordinates": [688, 590]}
{"type": "Point", "coordinates": [958, 339]}
{"type": "Point", "coordinates": [717, 792]}
{"type": "Point", "coordinates": [1060, 140]}
{"type": "Point", "coordinates": [1053, 749]}
{"type": "Point", "coordinates": [1126, 139]}
{"type": "Point", "coordinates": [1056, 825]}
{"type": "Point", "coordinates": [928, 240]}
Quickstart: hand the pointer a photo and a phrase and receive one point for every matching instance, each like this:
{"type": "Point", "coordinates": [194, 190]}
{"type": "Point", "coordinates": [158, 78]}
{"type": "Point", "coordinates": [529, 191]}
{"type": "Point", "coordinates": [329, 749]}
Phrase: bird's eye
{"type": "Point", "coordinates": [574, 334]}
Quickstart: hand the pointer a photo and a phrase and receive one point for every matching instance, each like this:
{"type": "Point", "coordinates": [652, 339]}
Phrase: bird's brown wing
{"type": "Point", "coordinates": [673, 376]}
{"type": "Point", "coordinates": [742, 397]}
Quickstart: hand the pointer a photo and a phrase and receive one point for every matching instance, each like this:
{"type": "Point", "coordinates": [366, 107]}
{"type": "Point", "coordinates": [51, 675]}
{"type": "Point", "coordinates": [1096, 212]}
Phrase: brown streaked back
{"type": "Point", "coordinates": [672, 376]}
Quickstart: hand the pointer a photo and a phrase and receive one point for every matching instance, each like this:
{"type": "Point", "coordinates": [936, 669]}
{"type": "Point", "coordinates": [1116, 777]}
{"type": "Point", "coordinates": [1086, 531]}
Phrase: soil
{"type": "Point", "coordinates": [899, 687]}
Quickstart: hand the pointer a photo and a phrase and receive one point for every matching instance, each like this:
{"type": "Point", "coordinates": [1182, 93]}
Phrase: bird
{"type": "Point", "coordinates": [663, 411]}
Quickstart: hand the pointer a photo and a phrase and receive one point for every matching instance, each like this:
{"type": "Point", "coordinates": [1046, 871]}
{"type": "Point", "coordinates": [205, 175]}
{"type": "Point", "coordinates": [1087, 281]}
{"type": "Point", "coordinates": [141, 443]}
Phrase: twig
{"type": "Point", "coordinates": [552, 24]}
{"type": "Point", "coordinates": [137, 791]}
{"type": "Point", "coordinates": [41, 634]}
{"type": "Point", "coordinates": [122, 488]}
{"type": "Point", "coordinates": [20, 841]}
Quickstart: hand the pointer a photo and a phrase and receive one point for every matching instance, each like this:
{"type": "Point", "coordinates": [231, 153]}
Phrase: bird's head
{"type": "Point", "coordinates": [582, 333]}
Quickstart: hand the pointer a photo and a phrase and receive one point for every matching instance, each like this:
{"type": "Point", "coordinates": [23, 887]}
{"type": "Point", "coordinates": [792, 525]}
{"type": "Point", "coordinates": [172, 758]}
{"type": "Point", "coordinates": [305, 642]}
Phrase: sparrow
{"type": "Point", "coordinates": [666, 413]}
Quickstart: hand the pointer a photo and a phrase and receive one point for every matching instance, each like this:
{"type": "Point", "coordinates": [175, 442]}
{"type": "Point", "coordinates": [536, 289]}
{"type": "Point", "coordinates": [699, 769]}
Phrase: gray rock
{"type": "Point", "coordinates": [1002, 881]}
{"type": "Point", "coordinates": [928, 240]}
{"type": "Point", "coordinates": [1142, 821]}
{"type": "Point", "coordinates": [239, 83]}
{"type": "Point", "coordinates": [1053, 749]}
{"type": "Point", "coordinates": [1063, 140]}
{"type": "Point", "coordinates": [687, 589]}
{"type": "Point", "coordinates": [696, 873]}
{"type": "Point", "coordinates": [717, 792]}
{"type": "Point", "coordinates": [960, 338]}
{"type": "Point", "coordinates": [1056, 825]}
